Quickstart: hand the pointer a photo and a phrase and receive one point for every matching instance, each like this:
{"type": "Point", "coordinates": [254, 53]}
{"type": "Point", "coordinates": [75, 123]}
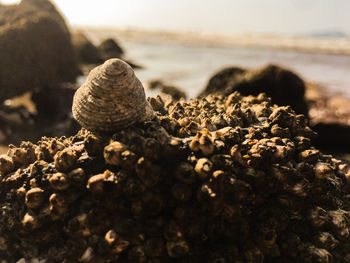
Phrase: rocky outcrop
{"type": "Point", "coordinates": [35, 48]}
{"type": "Point", "coordinates": [282, 85]}
{"type": "Point", "coordinates": [109, 48]}
{"type": "Point", "coordinates": [165, 89]}
{"type": "Point", "coordinates": [87, 52]}
{"type": "Point", "coordinates": [330, 118]}
{"type": "Point", "coordinates": [218, 179]}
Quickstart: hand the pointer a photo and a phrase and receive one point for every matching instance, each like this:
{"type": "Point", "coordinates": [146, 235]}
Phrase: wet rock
{"type": "Point", "coordinates": [170, 90]}
{"type": "Point", "coordinates": [330, 118]}
{"type": "Point", "coordinates": [87, 52]}
{"type": "Point", "coordinates": [55, 103]}
{"type": "Point", "coordinates": [52, 117]}
{"type": "Point", "coordinates": [222, 79]}
{"type": "Point", "coordinates": [282, 85]}
{"type": "Point", "coordinates": [14, 120]}
{"type": "Point", "coordinates": [109, 48]}
{"type": "Point", "coordinates": [247, 192]}
{"type": "Point", "coordinates": [36, 51]}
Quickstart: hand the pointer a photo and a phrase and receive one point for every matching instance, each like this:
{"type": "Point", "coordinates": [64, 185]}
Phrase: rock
{"type": "Point", "coordinates": [87, 52]}
{"type": "Point", "coordinates": [51, 116]}
{"type": "Point", "coordinates": [222, 79]}
{"type": "Point", "coordinates": [133, 64]}
{"type": "Point", "coordinates": [35, 48]}
{"type": "Point", "coordinates": [237, 193]}
{"type": "Point", "coordinates": [54, 104]}
{"type": "Point", "coordinates": [282, 85]}
{"type": "Point", "coordinates": [175, 92]}
{"type": "Point", "coordinates": [330, 118]}
{"type": "Point", "coordinates": [110, 49]}
{"type": "Point", "coordinates": [15, 120]}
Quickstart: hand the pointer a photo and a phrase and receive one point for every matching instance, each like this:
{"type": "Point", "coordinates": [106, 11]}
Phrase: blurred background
{"type": "Point", "coordinates": [186, 41]}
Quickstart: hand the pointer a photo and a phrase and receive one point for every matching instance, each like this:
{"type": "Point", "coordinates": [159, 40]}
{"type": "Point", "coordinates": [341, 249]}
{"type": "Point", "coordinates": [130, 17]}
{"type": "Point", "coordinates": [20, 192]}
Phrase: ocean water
{"type": "Point", "coordinates": [190, 65]}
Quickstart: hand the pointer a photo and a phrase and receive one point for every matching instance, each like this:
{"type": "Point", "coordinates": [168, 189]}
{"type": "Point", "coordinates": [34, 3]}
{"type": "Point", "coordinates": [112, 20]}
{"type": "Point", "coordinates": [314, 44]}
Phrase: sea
{"type": "Point", "coordinates": [188, 59]}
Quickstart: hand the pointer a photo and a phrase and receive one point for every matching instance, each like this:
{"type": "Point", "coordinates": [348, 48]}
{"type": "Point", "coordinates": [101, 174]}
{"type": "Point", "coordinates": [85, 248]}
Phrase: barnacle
{"type": "Point", "coordinates": [35, 198]}
{"type": "Point", "coordinates": [112, 153]}
{"type": "Point", "coordinates": [203, 168]}
{"type": "Point", "coordinates": [59, 181]}
{"type": "Point", "coordinates": [203, 142]}
{"type": "Point", "coordinates": [22, 155]}
{"type": "Point", "coordinates": [96, 183]}
{"type": "Point", "coordinates": [65, 160]}
{"type": "Point", "coordinates": [6, 164]}
{"type": "Point", "coordinates": [58, 205]}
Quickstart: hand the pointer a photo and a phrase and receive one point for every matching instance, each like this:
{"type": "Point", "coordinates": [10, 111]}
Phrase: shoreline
{"type": "Point", "coordinates": [335, 46]}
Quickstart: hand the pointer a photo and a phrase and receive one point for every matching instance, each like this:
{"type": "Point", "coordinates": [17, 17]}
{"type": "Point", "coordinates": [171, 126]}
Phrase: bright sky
{"type": "Point", "coordinates": [224, 16]}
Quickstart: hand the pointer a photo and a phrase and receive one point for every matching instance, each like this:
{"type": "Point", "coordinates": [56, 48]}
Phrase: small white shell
{"type": "Point", "coordinates": [112, 98]}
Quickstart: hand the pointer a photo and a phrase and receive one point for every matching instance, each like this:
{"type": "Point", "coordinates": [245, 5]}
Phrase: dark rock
{"type": "Point", "coordinates": [222, 79]}
{"type": "Point", "coordinates": [14, 121]}
{"type": "Point", "coordinates": [35, 48]}
{"type": "Point", "coordinates": [133, 64]}
{"type": "Point", "coordinates": [20, 120]}
{"type": "Point", "coordinates": [332, 136]}
{"type": "Point", "coordinates": [110, 49]}
{"type": "Point", "coordinates": [175, 92]}
{"type": "Point", "coordinates": [87, 52]}
{"type": "Point", "coordinates": [54, 104]}
{"type": "Point", "coordinates": [330, 118]}
{"type": "Point", "coordinates": [282, 85]}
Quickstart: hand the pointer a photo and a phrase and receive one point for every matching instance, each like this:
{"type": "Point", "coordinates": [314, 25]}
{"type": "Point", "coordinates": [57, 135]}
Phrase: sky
{"type": "Point", "coordinates": [219, 16]}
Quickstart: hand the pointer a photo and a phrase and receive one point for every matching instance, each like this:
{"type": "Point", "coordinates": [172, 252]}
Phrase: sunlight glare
{"type": "Point", "coordinates": [9, 2]}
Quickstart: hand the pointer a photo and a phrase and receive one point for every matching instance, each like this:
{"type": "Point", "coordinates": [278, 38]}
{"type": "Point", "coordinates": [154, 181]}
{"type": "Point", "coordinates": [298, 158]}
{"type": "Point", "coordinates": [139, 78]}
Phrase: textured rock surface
{"type": "Point", "coordinates": [282, 85]}
{"type": "Point", "coordinates": [35, 48]}
{"type": "Point", "coordinates": [86, 51]}
{"type": "Point", "coordinates": [231, 179]}
{"type": "Point", "coordinates": [110, 49]}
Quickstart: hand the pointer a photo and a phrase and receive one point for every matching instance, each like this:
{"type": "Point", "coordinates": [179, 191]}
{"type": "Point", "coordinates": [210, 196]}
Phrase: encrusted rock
{"type": "Point", "coordinates": [282, 85]}
{"type": "Point", "coordinates": [255, 191]}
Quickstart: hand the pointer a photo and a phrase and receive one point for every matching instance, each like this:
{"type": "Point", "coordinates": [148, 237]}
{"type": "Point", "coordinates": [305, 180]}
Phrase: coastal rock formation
{"type": "Point", "coordinates": [110, 49]}
{"type": "Point", "coordinates": [14, 120]}
{"type": "Point", "coordinates": [54, 104]}
{"type": "Point", "coordinates": [282, 85]}
{"type": "Point", "coordinates": [217, 179]}
{"type": "Point", "coordinates": [174, 92]}
{"type": "Point", "coordinates": [90, 55]}
{"type": "Point", "coordinates": [330, 118]}
{"type": "Point", "coordinates": [222, 80]}
{"type": "Point", "coordinates": [49, 115]}
{"type": "Point", "coordinates": [35, 48]}
{"type": "Point", "coordinates": [87, 52]}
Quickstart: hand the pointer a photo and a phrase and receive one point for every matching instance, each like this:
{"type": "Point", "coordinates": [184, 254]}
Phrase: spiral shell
{"type": "Point", "coordinates": [112, 98]}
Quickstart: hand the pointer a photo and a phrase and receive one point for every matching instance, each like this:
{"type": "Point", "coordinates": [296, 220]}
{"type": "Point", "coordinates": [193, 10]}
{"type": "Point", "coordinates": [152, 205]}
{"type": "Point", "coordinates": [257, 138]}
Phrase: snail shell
{"type": "Point", "coordinates": [112, 98]}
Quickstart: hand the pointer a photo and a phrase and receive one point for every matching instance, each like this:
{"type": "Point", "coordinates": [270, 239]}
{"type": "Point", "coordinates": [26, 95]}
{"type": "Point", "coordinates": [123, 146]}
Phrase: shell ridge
{"type": "Point", "coordinates": [112, 98]}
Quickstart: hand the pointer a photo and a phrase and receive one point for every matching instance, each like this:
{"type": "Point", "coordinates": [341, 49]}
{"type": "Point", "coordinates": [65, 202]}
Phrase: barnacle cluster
{"type": "Point", "coordinates": [217, 179]}
{"type": "Point", "coordinates": [281, 84]}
